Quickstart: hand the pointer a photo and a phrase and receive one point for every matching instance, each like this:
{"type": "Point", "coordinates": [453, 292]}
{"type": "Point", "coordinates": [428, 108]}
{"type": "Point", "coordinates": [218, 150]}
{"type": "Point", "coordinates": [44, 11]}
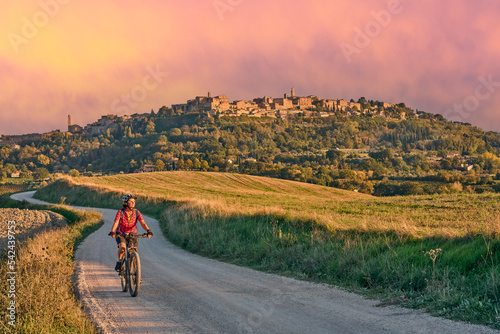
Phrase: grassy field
{"type": "Point", "coordinates": [434, 252]}
{"type": "Point", "coordinates": [44, 296]}
{"type": "Point", "coordinates": [420, 216]}
{"type": "Point", "coordinates": [12, 188]}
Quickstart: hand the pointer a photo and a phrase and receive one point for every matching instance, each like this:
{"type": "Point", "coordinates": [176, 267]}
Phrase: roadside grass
{"type": "Point", "coordinates": [439, 253]}
{"type": "Point", "coordinates": [44, 297]}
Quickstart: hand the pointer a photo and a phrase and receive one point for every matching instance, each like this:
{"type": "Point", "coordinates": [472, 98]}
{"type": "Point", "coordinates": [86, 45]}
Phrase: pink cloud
{"type": "Point", "coordinates": [429, 55]}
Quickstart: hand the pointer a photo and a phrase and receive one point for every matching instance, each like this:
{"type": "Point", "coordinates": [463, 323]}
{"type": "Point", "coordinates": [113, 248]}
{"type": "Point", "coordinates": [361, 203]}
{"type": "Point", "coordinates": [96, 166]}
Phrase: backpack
{"type": "Point", "coordinates": [122, 213]}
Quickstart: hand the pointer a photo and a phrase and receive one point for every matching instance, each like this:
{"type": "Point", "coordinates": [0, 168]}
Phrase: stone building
{"type": "Point", "coordinates": [302, 102]}
{"type": "Point", "coordinates": [75, 129]}
{"type": "Point", "coordinates": [327, 104]}
{"type": "Point", "coordinates": [282, 103]}
{"type": "Point", "coordinates": [342, 104]}
{"type": "Point", "coordinates": [145, 169]}
{"type": "Point", "coordinates": [204, 103]}
{"type": "Point", "coordinates": [219, 103]}
{"type": "Point", "coordinates": [106, 122]}
{"type": "Point", "coordinates": [242, 106]}
{"type": "Point", "coordinates": [354, 106]}
{"type": "Point", "coordinates": [264, 102]}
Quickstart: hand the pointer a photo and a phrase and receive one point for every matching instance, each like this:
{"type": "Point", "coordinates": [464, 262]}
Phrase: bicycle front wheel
{"type": "Point", "coordinates": [134, 274]}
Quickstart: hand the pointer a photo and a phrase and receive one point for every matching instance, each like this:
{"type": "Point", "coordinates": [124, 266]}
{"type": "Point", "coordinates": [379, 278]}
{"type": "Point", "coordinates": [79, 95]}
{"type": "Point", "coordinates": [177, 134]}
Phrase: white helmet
{"type": "Point", "coordinates": [126, 197]}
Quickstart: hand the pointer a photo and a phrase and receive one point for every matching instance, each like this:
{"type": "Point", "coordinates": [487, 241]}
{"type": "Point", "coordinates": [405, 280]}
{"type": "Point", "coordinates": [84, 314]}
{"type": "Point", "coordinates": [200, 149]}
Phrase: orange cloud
{"type": "Point", "coordinates": [90, 54]}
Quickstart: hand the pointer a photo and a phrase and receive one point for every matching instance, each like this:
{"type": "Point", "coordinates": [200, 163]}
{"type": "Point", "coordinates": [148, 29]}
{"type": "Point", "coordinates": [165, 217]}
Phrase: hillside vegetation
{"type": "Point", "coordinates": [415, 154]}
{"type": "Point", "coordinates": [438, 252]}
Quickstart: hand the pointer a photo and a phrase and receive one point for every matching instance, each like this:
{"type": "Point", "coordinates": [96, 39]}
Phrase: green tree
{"type": "Point", "coordinates": [74, 173]}
{"type": "Point", "coordinates": [196, 163]}
{"type": "Point", "coordinates": [175, 132]}
{"type": "Point", "coordinates": [132, 165]}
{"type": "Point", "coordinates": [348, 174]}
{"type": "Point", "coordinates": [41, 174]}
{"type": "Point", "coordinates": [162, 140]}
{"type": "Point", "coordinates": [150, 128]}
{"type": "Point", "coordinates": [43, 159]}
{"type": "Point", "coordinates": [334, 154]}
{"type": "Point", "coordinates": [159, 165]}
{"type": "Point", "coordinates": [181, 164]}
{"type": "Point", "coordinates": [4, 152]}
{"type": "Point", "coordinates": [204, 165]}
{"type": "Point", "coordinates": [367, 187]}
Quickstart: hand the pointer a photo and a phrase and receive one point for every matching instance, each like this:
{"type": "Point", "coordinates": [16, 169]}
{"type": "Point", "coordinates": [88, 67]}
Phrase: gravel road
{"type": "Point", "coordinates": [186, 293]}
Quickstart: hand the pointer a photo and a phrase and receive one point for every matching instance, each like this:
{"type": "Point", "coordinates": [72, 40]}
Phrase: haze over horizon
{"type": "Point", "coordinates": [87, 59]}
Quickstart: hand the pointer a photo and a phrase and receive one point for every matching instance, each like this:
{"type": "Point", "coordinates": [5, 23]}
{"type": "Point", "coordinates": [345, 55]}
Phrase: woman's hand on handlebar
{"type": "Point", "coordinates": [112, 234]}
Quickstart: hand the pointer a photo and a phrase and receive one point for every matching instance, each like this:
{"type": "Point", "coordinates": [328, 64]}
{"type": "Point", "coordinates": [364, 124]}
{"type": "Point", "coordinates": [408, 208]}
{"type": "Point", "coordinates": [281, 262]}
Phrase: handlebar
{"type": "Point", "coordinates": [144, 235]}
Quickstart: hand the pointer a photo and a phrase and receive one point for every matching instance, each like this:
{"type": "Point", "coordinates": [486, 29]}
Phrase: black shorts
{"type": "Point", "coordinates": [119, 239]}
{"type": "Point", "coordinates": [133, 241]}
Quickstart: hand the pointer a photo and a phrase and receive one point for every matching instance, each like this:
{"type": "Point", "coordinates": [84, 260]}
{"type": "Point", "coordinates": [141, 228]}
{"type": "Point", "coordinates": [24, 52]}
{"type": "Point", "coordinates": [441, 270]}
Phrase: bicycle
{"type": "Point", "coordinates": [130, 270]}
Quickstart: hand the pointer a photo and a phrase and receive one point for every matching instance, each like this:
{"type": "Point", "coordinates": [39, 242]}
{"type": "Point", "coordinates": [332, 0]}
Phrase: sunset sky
{"type": "Point", "coordinates": [91, 58]}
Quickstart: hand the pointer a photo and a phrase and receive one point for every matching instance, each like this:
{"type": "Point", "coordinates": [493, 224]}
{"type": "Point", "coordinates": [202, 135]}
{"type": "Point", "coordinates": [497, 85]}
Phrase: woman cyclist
{"type": "Point", "coordinates": [126, 222]}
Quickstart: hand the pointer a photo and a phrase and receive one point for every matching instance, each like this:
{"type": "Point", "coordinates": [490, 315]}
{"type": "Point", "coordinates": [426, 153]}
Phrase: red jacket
{"type": "Point", "coordinates": [128, 221]}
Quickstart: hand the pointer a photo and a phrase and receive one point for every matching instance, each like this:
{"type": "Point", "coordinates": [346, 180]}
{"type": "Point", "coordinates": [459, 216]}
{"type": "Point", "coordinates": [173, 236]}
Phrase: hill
{"type": "Point", "coordinates": [420, 154]}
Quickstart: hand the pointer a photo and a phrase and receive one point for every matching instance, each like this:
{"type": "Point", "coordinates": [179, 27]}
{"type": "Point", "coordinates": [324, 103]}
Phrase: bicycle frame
{"type": "Point", "coordinates": [130, 271]}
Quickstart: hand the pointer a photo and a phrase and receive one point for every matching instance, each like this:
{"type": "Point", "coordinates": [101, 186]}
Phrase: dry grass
{"type": "Point", "coordinates": [45, 301]}
{"type": "Point", "coordinates": [228, 194]}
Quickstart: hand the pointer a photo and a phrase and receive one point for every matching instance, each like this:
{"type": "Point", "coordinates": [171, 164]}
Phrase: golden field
{"type": "Point", "coordinates": [447, 216]}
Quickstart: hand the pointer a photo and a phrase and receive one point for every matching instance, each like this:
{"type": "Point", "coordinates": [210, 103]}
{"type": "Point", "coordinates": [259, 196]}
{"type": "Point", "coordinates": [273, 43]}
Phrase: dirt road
{"type": "Point", "coordinates": [186, 293]}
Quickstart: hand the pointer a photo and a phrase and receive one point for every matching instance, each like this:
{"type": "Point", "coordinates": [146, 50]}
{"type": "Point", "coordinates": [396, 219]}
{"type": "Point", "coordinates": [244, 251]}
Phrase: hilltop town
{"type": "Point", "coordinates": [283, 107]}
{"type": "Point", "coordinates": [217, 106]}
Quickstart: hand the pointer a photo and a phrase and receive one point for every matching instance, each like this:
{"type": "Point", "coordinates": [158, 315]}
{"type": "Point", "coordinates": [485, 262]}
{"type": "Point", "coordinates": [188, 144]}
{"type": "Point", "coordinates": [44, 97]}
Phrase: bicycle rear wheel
{"type": "Point", "coordinates": [134, 274]}
{"type": "Point", "coordinates": [123, 277]}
